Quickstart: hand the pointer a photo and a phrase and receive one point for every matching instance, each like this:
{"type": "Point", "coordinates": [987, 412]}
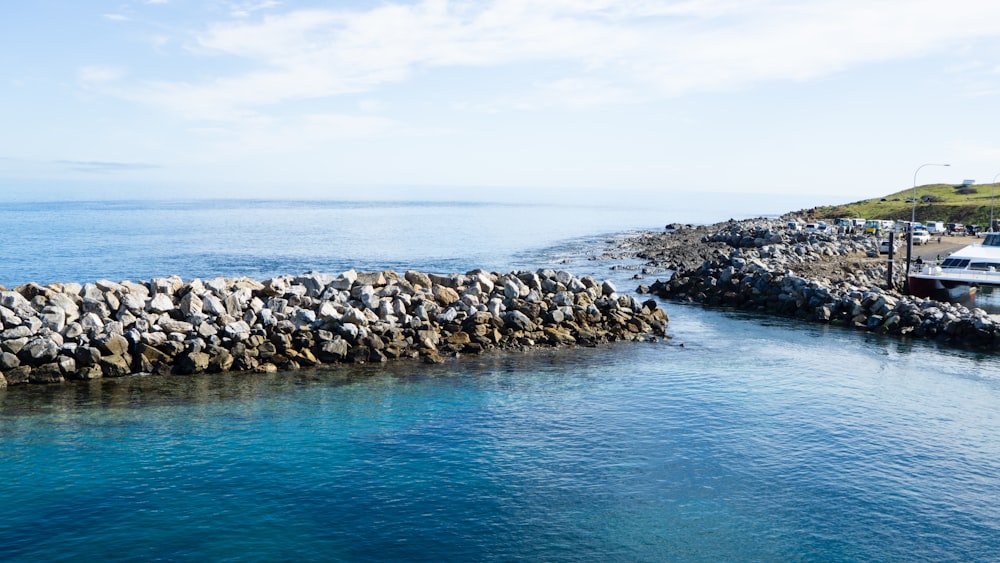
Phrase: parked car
{"type": "Point", "coordinates": [972, 229]}
{"type": "Point", "coordinates": [844, 225]}
{"type": "Point", "coordinates": [883, 247]}
{"type": "Point", "coordinates": [811, 228]}
{"type": "Point", "coordinates": [920, 235]}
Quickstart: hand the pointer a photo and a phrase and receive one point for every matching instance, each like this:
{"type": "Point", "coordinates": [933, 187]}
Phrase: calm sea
{"type": "Point", "coordinates": [759, 439]}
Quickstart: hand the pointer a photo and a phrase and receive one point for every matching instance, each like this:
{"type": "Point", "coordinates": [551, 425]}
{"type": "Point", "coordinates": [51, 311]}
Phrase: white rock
{"type": "Point", "coordinates": [345, 280]}
{"type": "Point", "coordinates": [161, 303]}
{"type": "Point", "coordinates": [239, 330]}
{"type": "Point", "coordinates": [176, 326]}
{"type": "Point", "coordinates": [212, 305]}
{"type": "Point", "coordinates": [190, 305]}
{"type": "Point", "coordinates": [53, 318]}
{"type": "Point", "coordinates": [133, 302]}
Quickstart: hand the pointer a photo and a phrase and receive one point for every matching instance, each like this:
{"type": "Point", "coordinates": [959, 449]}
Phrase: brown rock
{"type": "Point", "coordinates": [220, 362]}
{"type": "Point", "coordinates": [191, 363]}
{"type": "Point", "coordinates": [18, 375]}
{"type": "Point", "coordinates": [111, 345]}
{"type": "Point", "coordinates": [445, 295]}
{"type": "Point", "coordinates": [115, 365]}
{"type": "Point", "coordinates": [46, 373]}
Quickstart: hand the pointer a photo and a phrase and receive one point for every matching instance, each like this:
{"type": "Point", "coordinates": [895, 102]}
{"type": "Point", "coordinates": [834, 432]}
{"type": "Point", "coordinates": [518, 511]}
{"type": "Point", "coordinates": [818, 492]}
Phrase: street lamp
{"type": "Point", "coordinates": [913, 219]}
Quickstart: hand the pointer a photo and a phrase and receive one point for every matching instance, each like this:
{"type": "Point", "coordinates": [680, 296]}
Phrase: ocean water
{"type": "Point", "coordinates": [741, 438]}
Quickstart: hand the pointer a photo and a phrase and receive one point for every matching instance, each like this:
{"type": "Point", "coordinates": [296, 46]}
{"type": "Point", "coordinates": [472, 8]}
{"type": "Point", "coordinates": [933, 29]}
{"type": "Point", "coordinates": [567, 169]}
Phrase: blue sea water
{"type": "Point", "coordinates": [759, 439]}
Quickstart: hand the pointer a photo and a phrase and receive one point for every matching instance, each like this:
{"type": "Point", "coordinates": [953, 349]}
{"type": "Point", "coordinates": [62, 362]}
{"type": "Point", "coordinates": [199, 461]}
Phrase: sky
{"type": "Point", "coordinates": [497, 99]}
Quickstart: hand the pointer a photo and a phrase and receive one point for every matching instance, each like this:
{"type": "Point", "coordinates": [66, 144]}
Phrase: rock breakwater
{"type": "Point", "coordinates": [829, 278]}
{"type": "Point", "coordinates": [71, 331]}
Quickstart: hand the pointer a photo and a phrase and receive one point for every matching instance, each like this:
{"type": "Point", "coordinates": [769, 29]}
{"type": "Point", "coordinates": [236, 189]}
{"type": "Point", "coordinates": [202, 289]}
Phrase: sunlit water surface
{"type": "Point", "coordinates": [757, 439]}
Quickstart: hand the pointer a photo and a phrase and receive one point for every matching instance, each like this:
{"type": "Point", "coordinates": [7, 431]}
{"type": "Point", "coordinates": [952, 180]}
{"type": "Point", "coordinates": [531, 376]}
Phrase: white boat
{"type": "Point", "coordinates": [972, 269]}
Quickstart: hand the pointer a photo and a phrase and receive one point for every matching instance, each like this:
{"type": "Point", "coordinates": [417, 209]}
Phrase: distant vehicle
{"type": "Point", "coordinates": [859, 224]}
{"type": "Point", "coordinates": [873, 226]}
{"type": "Point", "coordinates": [811, 228]}
{"type": "Point", "coordinates": [793, 226]}
{"type": "Point", "coordinates": [972, 229]}
{"type": "Point", "coordinates": [844, 225]}
{"type": "Point", "coordinates": [883, 247]}
{"type": "Point", "coordinates": [958, 229]}
{"type": "Point", "coordinates": [935, 227]}
{"type": "Point", "coordinates": [920, 235]}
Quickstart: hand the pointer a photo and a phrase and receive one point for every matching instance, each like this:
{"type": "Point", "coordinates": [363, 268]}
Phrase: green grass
{"type": "Point", "coordinates": [946, 204]}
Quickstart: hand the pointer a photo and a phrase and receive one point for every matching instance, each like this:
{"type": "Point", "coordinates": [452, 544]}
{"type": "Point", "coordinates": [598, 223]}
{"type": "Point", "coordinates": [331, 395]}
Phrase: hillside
{"type": "Point", "coordinates": [935, 202]}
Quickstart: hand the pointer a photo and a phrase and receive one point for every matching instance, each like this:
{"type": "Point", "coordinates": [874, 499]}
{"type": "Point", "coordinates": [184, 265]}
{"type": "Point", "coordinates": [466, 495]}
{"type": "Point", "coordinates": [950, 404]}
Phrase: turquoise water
{"type": "Point", "coordinates": [758, 439]}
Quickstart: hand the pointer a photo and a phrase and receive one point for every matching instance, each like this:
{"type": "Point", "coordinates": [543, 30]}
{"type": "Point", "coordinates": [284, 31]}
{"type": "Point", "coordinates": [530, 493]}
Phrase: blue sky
{"type": "Point", "coordinates": [504, 99]}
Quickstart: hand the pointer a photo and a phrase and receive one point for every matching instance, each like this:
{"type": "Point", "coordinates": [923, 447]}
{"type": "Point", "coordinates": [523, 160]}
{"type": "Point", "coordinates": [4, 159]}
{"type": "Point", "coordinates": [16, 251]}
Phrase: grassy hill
{"type": "Point", "coordinates": [935, 202]}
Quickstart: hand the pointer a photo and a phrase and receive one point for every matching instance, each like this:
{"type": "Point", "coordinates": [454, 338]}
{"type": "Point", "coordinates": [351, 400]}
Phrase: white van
{"type": "Point", "coordinates": [935, 227]}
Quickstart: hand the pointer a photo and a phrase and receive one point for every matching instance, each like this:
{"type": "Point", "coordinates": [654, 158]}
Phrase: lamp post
{"type": "Point", "coordinates": [913, 219]}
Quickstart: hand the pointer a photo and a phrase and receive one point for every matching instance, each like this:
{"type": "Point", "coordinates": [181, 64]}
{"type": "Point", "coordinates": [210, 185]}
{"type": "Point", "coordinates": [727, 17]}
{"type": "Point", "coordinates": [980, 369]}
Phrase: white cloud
{"type": "Point", "coordinates": [116, 17]}
{"type": "Point", "coordinates": [246, 9]}
{"type": "Point", "coordinates": [629, 49]}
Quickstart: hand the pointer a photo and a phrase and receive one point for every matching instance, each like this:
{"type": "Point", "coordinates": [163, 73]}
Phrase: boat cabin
{"type": "Point", "coordinates": [963, 261]}
{"type": "Point", "coordinates": [992, 239]}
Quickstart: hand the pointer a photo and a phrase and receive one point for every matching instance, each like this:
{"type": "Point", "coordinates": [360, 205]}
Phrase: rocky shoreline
{"type": "Point", "coordinates": [830, 278]}
{"type": "Point", "coordinates": [58, 332]}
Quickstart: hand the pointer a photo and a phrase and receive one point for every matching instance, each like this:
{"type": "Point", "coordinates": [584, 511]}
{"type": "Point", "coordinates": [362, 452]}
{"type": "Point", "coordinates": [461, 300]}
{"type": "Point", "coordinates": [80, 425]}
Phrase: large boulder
{"type": "Point", "coordinates": [161, 303]}
{"type": "Point", "coordinates": [39, 350]}
{"type": "Point", "coordinates": [192, 363]}
{"type": "Point", "coordinates": [112, 344]}
{"type": "Point", "coordinates": [115, 365]}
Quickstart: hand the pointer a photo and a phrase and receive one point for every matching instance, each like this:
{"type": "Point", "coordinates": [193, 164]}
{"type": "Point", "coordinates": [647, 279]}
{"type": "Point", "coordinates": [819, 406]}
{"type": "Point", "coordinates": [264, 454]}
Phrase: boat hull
{"type": "Point", "coordinates": [941, 289]}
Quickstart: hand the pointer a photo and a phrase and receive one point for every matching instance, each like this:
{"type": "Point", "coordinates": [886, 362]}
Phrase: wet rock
{"type": "Point", "coordinates": [46, 373]}
{"type": "Point", "coordinates": [220, 362]}
{"type": "Point", "coordinates": [115, 365]}
{"type": "Point", "coordinates": [192, 363]}
{"type": "Point", "coordinates": [18, 375]}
